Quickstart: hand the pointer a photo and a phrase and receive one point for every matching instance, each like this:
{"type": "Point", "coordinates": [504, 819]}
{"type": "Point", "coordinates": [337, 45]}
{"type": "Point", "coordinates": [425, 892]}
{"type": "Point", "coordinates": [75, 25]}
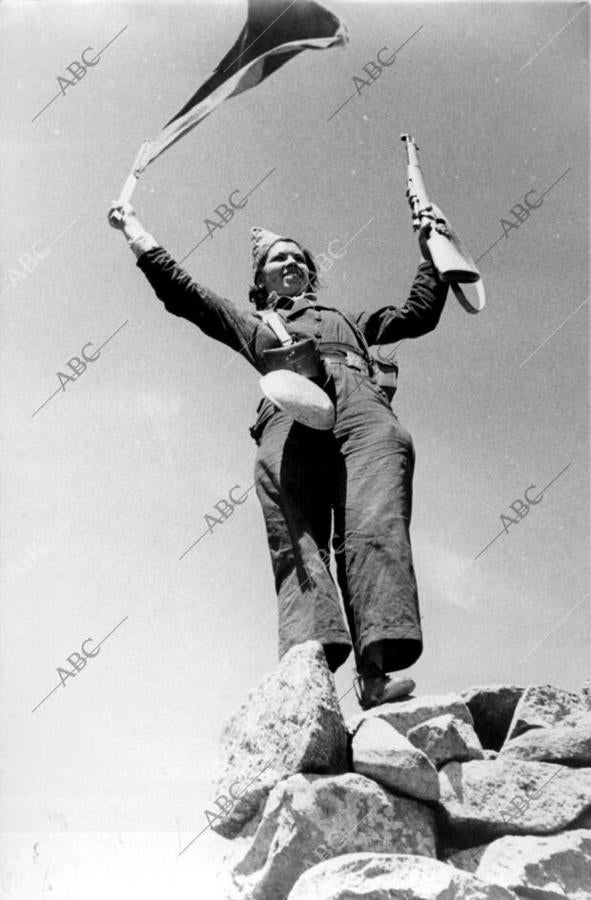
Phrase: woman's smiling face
{"type": "Point", "coordinates": [285, 270]}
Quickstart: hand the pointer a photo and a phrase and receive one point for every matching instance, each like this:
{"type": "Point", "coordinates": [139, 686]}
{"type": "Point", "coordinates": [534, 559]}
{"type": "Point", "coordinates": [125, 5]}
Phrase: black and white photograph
{"type": "Point", "coordinates": [294, 495]}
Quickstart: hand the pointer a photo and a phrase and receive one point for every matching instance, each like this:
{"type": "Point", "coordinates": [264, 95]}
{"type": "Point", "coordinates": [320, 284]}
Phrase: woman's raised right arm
{"type": "Point", "coordinates": [214, 315]}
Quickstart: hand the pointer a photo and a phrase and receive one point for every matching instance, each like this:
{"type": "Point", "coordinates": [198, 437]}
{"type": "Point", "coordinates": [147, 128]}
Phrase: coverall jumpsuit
{"type": "Point", "coordinates": [355, 480]}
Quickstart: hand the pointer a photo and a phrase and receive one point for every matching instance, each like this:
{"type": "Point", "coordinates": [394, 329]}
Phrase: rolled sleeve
{"type": "Point", "coordinates": [419, 315]}
{"type": "Point", "coordinates": [215, 316]}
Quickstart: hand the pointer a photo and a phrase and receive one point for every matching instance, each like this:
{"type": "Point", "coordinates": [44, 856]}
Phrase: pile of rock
{"type": "Point", "coordinates": [480, 796]}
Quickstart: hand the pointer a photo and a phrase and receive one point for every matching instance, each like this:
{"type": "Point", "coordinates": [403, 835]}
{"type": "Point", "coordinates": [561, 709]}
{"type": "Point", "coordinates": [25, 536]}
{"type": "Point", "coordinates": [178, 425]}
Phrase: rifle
{"type": "Point", "coordinates": [449, 256]}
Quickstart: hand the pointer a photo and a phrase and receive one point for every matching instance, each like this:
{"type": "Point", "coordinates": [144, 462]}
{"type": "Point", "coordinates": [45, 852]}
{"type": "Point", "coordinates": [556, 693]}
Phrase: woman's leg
{"type": "Point", "coordinates": [372, 541]}
{"type": "Point", "coordinates": [294, 475]}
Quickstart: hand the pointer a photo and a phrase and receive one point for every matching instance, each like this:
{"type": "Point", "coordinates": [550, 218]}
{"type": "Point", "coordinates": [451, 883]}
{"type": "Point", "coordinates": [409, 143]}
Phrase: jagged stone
{"type": "Point", "coordinates": [541, 706]}
{"type": "Point", "coordinates": [309, 818]}
{"type": "Point", "coordinates": [406, 714]}
{"type": "Point", "coordinates": [468, 860]}
{"type": "Point", "coordinates": [290, 723]}
{"type": "Point", "coordinates": [446, 738]}
{"type": "Point", "coordinates": [490, 754]}
{"type": "Point", "coordinates": [381, 753]}
{"type": "Point", "coordinates": [492, 707]}
{"type": "Point", "coordinates": [586, 694]}
{"type": "Point", "coordinates": [484, 799]}
{"type": "Point", "coordinates": [375, 876]}
{"type": "Point", "coordinates": [568, 744]}
{"type": "Point", "coordinates": [544, 868]}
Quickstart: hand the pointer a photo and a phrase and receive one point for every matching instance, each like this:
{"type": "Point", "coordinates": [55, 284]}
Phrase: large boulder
{"type": "Point", "coordinates": [492, 707]}
{"type": "Point", "coordinates": [365, 876]}
{"type": "Point", "coordinates": [569, 744]}
{"type": "Point", "coordinates": [544, 868]}
{"type": "Point", "coordinates": [405, 714]}
{"type": "Point", "coordinates": [381, 753]}
{"type": "Point", "coordinates": [310, 818]}
{"type": "Point", "coordinates": [290, 723]}
{"type": "Point", "coordinates": [446, 738]}
{"type": "Point", "coordinates": [542, 706]}
{"type": "Point", "coordinates": [484, 799]}
{"type": "Point", "coordinates": [586, 694]}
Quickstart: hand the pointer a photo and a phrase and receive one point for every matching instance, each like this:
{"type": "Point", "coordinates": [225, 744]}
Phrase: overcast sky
{"type": "Point", "coordinates": [105, 486]}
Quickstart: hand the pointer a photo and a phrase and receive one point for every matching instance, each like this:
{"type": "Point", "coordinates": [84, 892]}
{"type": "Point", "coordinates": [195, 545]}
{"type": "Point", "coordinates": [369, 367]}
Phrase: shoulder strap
{"type": "Point", "coordinates": [275, 323]}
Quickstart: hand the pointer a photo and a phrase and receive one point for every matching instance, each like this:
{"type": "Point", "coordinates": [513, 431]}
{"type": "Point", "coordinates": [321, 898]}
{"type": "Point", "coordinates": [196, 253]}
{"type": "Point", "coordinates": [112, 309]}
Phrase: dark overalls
{"type": "Point", "coordinates": [354, 481]}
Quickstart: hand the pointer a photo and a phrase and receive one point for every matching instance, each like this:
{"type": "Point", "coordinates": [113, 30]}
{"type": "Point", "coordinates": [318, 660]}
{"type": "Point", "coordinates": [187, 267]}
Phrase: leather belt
{"type": "Point", "coordinates": [344, 354]}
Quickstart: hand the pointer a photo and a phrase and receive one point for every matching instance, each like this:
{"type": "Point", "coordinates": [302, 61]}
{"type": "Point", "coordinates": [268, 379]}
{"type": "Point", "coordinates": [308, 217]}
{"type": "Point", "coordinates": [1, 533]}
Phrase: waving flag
{"type": "Point", "coordinates": [275, 32]}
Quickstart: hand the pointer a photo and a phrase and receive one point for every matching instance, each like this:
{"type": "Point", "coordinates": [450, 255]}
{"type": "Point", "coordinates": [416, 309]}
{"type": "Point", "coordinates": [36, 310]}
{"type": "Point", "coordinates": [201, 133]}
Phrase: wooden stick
{"type": "Point", "coordinates": [132, 179]}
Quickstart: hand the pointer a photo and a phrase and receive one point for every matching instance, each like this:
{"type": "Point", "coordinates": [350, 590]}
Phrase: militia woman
{"type": "Point", "coordinates": [351, 484]}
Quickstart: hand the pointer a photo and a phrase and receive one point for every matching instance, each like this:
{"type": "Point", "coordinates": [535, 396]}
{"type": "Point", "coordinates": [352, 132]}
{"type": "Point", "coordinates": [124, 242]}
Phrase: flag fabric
{"type": "Point", "coordinates": [275, 32]}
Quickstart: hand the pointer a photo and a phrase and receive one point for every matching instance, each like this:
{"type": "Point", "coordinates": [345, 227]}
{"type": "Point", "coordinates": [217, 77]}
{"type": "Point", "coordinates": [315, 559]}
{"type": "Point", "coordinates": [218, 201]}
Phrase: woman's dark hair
{"type": "Point", "coordinates": [257, 293]}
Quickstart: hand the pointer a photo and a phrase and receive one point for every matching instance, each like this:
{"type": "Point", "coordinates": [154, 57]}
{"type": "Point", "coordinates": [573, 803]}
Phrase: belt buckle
{"type": "Point", "coordinates": [352, 360]}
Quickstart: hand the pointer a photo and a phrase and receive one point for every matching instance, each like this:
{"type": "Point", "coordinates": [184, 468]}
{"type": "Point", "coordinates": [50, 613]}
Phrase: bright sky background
{"type": "Point", "coordinates": [105, 487]}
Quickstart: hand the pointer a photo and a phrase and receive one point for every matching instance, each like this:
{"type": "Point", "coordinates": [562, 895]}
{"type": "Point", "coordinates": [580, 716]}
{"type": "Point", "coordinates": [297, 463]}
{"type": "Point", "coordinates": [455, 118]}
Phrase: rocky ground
{"type": "Point", "coordinates": [484, 795]}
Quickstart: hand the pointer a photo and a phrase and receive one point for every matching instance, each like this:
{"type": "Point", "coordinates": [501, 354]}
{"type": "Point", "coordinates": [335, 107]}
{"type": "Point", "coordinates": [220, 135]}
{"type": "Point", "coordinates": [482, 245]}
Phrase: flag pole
{"type": "Point", "coordinates": [132, 179]}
